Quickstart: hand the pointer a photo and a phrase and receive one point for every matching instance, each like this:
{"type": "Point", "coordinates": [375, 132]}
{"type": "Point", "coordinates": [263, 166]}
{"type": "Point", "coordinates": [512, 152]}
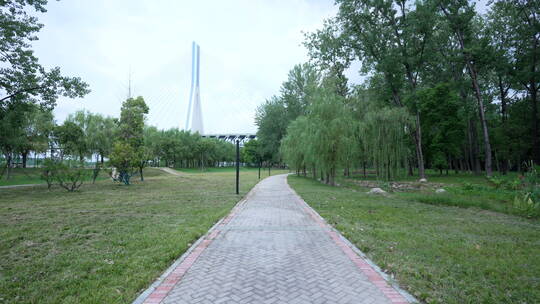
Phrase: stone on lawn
{"type": "Point", "coordinates": [376, 191]}
{"type": "Point", "coordinates": [441, 190]}
{"type": "Point", "coordinates": [423, 180]}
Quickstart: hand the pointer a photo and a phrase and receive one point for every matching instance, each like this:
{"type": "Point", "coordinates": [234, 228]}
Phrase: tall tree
{"type": "Point", "coordinates": [99, 132]}
{"type": "Point", "coordinates": [272, 120]}
{"type": "Point", "coordinates": [515, 31]}
{"type": "Point", "coordinates": [131, 124]}
{"type": "Point", "coordinates": [331, 124]}
{"type": "Point", "coordinates": [440, 112]}
{"type": "Point", "coordinates": [22, 78]}
{"type": "Point", "coordinates": [37, 127]}
{"type": "Point", "coordinates": [392, 37]}
{"type": "Point", "coordinates": [252, 152]}
{"type": "Point", "coordinates": [70, 137]}
{"type": "Point", "coordinates": [384, 138]}
{"type": "Point", "coordinates": [12, 120]}
{"type": "Point", "coordinates": [300, 86]}
{"type": "Point", "coordinates": [460, 14]}
{"type": "Point", "coordinates": [127, 154]}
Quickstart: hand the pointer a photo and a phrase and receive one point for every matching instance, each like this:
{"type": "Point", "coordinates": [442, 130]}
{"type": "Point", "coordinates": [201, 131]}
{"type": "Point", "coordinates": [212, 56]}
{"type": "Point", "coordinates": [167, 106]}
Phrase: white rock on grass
{"type": "Point", "coordinates": [376, 191]}
{"type": "Point", "coordinates": [440, 191]}
{"type": "Point", "coordinates": [423, 180]}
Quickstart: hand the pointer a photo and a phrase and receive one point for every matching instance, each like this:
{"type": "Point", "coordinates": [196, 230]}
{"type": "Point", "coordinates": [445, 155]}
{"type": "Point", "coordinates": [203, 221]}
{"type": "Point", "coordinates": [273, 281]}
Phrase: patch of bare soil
{"type": "Point", "coordinates": [399, 186]}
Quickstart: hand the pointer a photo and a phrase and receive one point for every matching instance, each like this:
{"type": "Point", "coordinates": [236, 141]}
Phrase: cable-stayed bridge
{"type": "Point", "coordinates": [243, 137]}
{"type": "Point", "coordinates": [194, 113]}
{"type": "Point", "coordinates": [224, 116]}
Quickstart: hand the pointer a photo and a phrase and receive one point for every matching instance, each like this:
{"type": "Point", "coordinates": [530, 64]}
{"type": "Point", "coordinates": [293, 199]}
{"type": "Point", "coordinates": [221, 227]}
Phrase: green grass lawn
{"type": "Point", "coordinates": [463, 190]}
{"type": "Point", "coordinates": [264, 171]}
{"type": "Point", "coordinates": [439, 253]}
{"type": "Point", "coordinates": [107, 242]}
{"type": "Point", "coordinates": [25, 176]}
{"type": "Point", "coordinates": [20, 176]}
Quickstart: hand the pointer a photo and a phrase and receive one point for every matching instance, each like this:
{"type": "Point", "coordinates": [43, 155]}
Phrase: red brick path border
{"type": "Point", "coordinates": [168, 283]}
{"type": "Point", "coordinates": [373, 276]}
{"type": "Point", "coordinates": [161, 291]}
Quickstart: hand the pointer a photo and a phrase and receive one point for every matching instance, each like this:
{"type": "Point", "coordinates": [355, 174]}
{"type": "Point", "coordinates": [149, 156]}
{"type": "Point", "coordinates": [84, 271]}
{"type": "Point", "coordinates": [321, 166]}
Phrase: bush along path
{"type": "Point", "coordinates": [273, 248]}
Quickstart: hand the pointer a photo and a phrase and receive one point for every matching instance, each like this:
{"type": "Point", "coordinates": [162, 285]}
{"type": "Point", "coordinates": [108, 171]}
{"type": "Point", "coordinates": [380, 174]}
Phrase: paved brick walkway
{"type": "Point", "coordinates": [272, 248]}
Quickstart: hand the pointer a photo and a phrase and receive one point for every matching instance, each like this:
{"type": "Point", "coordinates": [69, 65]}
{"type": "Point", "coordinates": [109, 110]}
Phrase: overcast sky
{"type": "Point", "coordinates": [247, 48]}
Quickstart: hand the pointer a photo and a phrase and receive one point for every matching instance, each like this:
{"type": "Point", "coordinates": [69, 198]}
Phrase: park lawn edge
{"type": "Point", "coordinates": [442, 261]}
{"type": "Point", "coordinates": [142, 228]}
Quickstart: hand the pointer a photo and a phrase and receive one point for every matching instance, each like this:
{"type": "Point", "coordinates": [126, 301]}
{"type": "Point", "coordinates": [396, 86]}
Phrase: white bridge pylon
{"type": "Point", "coordinates": [195, 94]}
{"type": "Point", "coordinates": [194, 113]}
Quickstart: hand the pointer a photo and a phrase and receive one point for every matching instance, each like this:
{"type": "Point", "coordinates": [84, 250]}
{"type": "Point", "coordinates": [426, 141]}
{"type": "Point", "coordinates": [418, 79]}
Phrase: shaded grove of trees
{"type": "Point", "coordinates": [445, 88]}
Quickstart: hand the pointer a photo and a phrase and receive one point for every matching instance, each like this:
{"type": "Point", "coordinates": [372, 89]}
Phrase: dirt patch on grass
{"type": "Point", "coordinates": [399, 186]}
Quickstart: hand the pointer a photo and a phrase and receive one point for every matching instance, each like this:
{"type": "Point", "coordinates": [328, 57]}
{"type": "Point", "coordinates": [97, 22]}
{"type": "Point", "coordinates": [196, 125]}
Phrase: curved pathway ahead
{"type": "Point", "coordinates": [171, 171]}
{"type": "Point", "coordinates": [272, 248]}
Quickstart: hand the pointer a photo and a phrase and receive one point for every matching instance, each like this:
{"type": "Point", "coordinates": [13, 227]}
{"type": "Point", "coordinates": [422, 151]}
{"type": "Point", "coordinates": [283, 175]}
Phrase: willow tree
{"type": "Point", "coordinates": [295, 146]}
{"type": "Point", "coordinates": [389, 37]}
{"type": "Point", "coordinates": [384, 132]}
{"type": "Point", "coordinates": [331, 125]}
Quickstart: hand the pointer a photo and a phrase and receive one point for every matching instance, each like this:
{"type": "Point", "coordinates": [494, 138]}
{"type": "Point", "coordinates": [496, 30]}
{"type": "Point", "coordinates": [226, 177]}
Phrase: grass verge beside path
{"type": "Point", "coordinates": [264, 171]}
{"type": "Point", "coordinates": [106, 242]}
{"type": "Point", "coordinates": [440, 254]}
{"type": "Point", "coordinates": [463, 190]}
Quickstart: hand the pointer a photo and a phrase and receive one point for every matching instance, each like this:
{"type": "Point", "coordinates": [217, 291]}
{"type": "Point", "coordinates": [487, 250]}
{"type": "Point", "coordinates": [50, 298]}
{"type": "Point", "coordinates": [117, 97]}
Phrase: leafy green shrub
{"type": "Point", "coordinates": [468, 186]}
{"type": "Point", "coordinates": [528, 204]}
{"type": "Point", "coordinates": [497, 182]}
{"type": "Point", "coordinates": [515, 184]}
{"type": "Point", "coordinates": [126, 159]}
{"type": "Point", "coordinates": [48, 172]}
{"type": "Point", "coordinates": [69, 178]}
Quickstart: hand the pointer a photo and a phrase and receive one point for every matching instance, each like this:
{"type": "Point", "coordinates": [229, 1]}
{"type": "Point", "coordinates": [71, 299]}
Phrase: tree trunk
{"type": "Point", "coordinates": [471, 67]}
{"type": "Point", "coordinates": [333, 176]}
{"type": "Point", "coordinates": [24, 158]}
{"type": "Point", "coordinates": [502, 93]}
{"type": "Point", "coordinates": [418, 144]}
{"type": "Point", "coordinates": [485, 132]}
{"type": "Point", "coordinates": [535, 126]}
{"type": "Point", "coordinates": [474, 78]}
{"type": "Point", "coordinates": [9, 160]}
{"type": "Point", "coordinates": [475, 158]}
{"type": "Point", "coordinates": [364, 168]}
{"type": "Point", "coordinates": [496, 161]}
{"type": "Point", "coordinates": [141, 173]}
{"type": "Point", "coordinates": [504, 166]}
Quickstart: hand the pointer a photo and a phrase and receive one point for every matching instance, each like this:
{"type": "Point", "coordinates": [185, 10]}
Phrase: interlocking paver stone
{"type": "Point", "coordinates": [273, 250]}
